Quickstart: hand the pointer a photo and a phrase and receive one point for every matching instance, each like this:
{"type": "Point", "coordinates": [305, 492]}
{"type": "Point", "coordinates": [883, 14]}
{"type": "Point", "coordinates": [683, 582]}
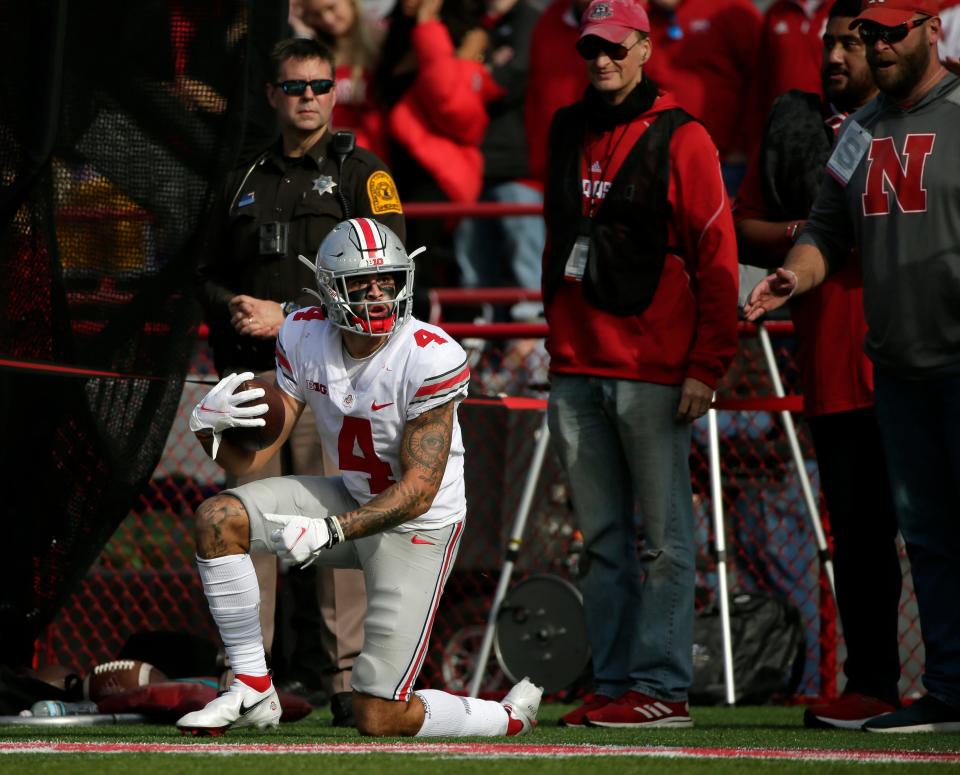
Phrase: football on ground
{"type": "Point", "coordinates": [118, 677]}
{"type": "Point", "coordinates": [262, 436]}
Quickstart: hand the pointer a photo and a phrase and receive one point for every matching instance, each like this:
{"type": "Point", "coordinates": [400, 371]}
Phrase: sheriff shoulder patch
{"type": "Point", "coordinates": [383, 193]}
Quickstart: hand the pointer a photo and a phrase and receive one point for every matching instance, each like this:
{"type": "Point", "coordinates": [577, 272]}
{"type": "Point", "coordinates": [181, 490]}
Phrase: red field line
{"type": "Point", "coordinates": [486, 750]}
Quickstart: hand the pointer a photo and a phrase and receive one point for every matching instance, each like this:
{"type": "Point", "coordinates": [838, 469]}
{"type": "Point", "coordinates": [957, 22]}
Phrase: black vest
{"type": "Point", "coordinates": [628, 233]}
{"type": "Point", "coordinates": [796, 145]}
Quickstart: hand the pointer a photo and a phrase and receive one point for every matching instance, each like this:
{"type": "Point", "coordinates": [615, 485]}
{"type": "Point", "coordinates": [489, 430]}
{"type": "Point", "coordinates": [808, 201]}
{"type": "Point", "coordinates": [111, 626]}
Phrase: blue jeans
{"type": "Point", "coordinates": [920, 424]}
{"type": "Point", "coordinates": [488, 249]}
{"type": "Point", "coordinates": [627, 462]}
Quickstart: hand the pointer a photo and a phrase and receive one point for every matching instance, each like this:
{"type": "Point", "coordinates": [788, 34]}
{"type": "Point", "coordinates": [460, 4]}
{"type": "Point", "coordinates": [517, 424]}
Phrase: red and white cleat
{"type": "Point", "coordinates": [239, 706]}
{"type": "Point", "coordinates": [522, 704]}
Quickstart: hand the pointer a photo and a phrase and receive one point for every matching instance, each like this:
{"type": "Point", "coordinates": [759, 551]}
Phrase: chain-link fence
{"type": "Point", "coordinates": [145, 578]}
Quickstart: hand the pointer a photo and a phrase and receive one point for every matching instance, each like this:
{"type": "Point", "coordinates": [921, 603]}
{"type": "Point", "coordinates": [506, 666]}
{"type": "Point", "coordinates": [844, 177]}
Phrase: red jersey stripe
{"type": "Point", "coordinates": [429, 390]}
{"type": "Point", "coordinates": [421, 652]}
{"type": "Point", "coordinates": [282, 360]}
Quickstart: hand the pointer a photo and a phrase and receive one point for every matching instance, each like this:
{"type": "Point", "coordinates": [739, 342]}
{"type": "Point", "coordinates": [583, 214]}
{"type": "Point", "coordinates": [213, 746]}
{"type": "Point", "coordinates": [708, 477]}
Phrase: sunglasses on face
{"type": "Point", "coordinates": [592, 46]}
{"type": "Point", "coordinates": [871, 33]}
{"type": "Point", "coordinates": [299, 88]}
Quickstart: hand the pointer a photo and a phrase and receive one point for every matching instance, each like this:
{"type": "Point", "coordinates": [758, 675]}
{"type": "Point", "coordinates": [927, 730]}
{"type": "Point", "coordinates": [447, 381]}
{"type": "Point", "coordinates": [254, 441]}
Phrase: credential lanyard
{"type": "Point", "coordinates": [580, 252]}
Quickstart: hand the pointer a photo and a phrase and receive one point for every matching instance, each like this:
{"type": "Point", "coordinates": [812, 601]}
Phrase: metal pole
{"type": "Point", "coordinates": [513, 550]}
{"type": "Point", "coordinates": [791, 431]}
{"type": "Point", "coordinates": [720, 542]}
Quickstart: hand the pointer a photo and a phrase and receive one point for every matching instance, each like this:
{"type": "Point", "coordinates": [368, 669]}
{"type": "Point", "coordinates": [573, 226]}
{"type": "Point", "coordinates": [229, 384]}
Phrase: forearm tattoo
{"type": "Point", "coordinates": [424, 450]}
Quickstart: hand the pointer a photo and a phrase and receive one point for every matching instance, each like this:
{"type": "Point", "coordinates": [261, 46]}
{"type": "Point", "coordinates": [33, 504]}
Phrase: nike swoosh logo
{"type": "Point", "coordinates": [418, 540]}
{"type": "Point", "coordinates": [303, 532]}
{"type": "Point", "coordinates": [377, 407]}
{"type": "Point", "coordinates": [244, 710]}
{"type": "Point", "coordinates": [205, 408]}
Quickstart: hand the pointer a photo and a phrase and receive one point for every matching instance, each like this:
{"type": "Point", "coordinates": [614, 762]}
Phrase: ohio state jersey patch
{"type": "Point", "coordinates": [382, 192]}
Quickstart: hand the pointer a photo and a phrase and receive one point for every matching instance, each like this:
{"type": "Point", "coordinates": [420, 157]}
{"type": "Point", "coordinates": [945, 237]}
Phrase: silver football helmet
{"type": "Point", "coordinates": [363, 246]}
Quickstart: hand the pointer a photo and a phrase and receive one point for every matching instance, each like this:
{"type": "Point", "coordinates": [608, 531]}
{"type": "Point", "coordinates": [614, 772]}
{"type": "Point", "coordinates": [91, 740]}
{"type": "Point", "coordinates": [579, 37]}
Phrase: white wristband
{"type": "Point", "coordinates": [796, 282]}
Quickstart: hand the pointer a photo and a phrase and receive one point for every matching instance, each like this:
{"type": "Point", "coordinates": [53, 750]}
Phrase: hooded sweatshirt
{"type": "Point", "coordinates": [901, 206]}
{"type": "Point", "coordinates": [689, 329]}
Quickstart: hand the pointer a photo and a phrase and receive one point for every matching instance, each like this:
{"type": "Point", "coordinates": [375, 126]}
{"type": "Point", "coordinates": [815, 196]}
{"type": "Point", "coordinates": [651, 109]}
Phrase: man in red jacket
{"type": "Point", "coordinates": [640, 291]}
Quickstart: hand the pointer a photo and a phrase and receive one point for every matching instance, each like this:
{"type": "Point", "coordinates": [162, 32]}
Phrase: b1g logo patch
{"type": "Point", "coordinates": [383, 194]}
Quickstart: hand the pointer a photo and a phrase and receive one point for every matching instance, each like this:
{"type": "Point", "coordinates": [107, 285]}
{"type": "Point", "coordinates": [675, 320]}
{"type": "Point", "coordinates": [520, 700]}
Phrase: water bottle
{"type": "Point", "coordinates": [58, 708]}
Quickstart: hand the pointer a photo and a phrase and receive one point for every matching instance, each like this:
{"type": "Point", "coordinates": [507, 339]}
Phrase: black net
{"type": "Point", "coordinates": [115, 120]}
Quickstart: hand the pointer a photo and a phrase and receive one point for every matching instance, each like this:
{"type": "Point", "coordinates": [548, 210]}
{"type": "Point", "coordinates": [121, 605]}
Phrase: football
{"type": "Point", "coordinates": [262, 436]}
{"type": "Point", "coordinates": [118, 677]}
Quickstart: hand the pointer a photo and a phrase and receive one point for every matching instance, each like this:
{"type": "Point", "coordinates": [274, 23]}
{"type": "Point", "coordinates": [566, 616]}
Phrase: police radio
{"type": "Point", "coordinates": [344, 143]}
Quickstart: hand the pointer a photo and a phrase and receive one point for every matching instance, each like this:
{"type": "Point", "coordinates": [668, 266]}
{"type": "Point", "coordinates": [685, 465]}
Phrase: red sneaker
{"type": "Point", "coordinates": [849, 711]}
{"type": "Point", "coordinates": [635, 710]}
{"type": "Point", "coordinates": [577, 716]}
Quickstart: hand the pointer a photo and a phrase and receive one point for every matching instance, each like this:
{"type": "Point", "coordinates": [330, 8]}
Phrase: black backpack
{"type": "Point", "coordinates": [768, 650]}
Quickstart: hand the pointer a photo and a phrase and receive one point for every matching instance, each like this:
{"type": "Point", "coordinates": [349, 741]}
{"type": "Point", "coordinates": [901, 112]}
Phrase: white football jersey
{"type": "Point", "coordinates": [361, 420]}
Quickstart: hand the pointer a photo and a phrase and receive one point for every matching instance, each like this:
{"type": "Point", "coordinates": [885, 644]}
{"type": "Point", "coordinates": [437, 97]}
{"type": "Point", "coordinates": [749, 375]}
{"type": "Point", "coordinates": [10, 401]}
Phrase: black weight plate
{"type": "Point", "coordinates": [541, 633]}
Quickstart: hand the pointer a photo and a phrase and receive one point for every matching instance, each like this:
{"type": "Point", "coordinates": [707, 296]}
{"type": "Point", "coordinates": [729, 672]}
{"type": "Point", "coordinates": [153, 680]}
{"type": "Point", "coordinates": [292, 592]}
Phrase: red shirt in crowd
{"type": "Point", "coordinates": [557, 77]}
{"type": "Point", "coordinates": [690, 327]}
{"type": "Point", "coordinates": [704, 53]}
{"type": "Point", "coordinates": [789, 54]}
{"type": "Point", "coordinates": [356, 111]}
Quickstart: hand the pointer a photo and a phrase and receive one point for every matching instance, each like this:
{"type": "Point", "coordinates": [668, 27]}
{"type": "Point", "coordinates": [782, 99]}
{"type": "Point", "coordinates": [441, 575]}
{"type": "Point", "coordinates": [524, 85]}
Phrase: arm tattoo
{"type": "Point", "coordinates": [424, 450]}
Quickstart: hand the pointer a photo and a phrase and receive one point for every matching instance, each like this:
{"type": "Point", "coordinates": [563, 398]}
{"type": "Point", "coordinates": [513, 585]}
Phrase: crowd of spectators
{"type": "Point", "coordinates": [457, 97]}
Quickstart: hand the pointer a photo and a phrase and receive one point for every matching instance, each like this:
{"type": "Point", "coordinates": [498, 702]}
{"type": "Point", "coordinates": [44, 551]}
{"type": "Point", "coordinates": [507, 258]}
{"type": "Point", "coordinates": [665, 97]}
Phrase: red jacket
{"type": "Point", "coordinates": [557, 78]}
{"type": "Point", "coordinates": [441, 119]}
{"type": "Point", "coordinates": [690, 327]}
{"type": "Point", "coordinates": [708, 64]}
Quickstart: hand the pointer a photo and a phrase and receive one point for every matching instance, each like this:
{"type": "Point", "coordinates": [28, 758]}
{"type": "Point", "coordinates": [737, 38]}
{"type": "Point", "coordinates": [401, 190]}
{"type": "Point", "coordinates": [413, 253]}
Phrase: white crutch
{"type": "Point", "coordinates": [720, 543]}
{"type": "Point", "coordinates": [791, 431]}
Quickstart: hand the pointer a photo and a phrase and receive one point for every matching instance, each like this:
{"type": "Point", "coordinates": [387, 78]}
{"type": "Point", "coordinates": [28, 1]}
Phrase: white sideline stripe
{"type": "Point", "coordinates": [491, 750]}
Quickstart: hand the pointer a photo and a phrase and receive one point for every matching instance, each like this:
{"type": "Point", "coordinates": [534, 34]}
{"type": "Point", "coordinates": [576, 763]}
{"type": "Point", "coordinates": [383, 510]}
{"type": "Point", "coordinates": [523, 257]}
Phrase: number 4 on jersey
{"type": "Point", "coordinates": [423, 337]}
{"type": "Point", "coordinates": [357, 433]}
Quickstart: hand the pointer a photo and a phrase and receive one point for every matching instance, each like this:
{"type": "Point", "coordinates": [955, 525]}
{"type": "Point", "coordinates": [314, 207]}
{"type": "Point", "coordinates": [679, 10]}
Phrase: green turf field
{"type": "Point", "coordinates": [736, 740]}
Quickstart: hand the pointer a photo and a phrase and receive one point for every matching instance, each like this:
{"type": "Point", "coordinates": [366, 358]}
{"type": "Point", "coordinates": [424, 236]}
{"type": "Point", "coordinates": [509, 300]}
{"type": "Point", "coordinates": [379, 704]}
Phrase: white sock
{"type": "Point", "coordinates": [230, 584]}
{"type": "Point", "coordinates": [447, 715]}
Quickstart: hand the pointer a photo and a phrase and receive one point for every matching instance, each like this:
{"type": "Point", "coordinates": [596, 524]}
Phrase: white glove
{"type": "Point", "coordinates": [220, 409]}
{"type": "Point", "coordinates": [298, 538]}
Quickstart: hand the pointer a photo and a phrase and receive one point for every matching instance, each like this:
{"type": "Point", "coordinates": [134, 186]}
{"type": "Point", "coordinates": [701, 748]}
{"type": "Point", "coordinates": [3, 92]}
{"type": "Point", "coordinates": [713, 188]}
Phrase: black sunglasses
{"type": "Point", "coordinates": [299, 88]}
{"type": "Point", "coordinates": [592, 46]}
{"type": "Point", "coordinates": [871, 33]}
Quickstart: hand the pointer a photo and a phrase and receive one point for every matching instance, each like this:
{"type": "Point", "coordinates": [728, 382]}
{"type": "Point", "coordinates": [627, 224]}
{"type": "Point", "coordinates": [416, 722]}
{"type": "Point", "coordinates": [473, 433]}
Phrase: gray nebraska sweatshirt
{"type": "Point", "coordinates": [901, 207]}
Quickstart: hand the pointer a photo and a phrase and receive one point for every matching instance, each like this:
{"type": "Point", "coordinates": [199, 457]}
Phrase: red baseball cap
{"type": "Point", "coordinates": [890, 13]}
{"type": "Point", "coordinates": [613, 20]}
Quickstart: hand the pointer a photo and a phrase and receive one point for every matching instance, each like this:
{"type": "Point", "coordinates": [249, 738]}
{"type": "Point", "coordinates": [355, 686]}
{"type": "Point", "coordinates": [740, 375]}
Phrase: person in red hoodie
{"type": "Point", "coordinates": [640, 293]}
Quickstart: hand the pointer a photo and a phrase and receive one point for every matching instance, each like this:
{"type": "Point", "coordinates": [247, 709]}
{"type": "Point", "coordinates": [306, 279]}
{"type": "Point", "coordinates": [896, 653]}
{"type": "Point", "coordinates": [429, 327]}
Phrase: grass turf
{"type": "Point", "coordinates": [746, 727]}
